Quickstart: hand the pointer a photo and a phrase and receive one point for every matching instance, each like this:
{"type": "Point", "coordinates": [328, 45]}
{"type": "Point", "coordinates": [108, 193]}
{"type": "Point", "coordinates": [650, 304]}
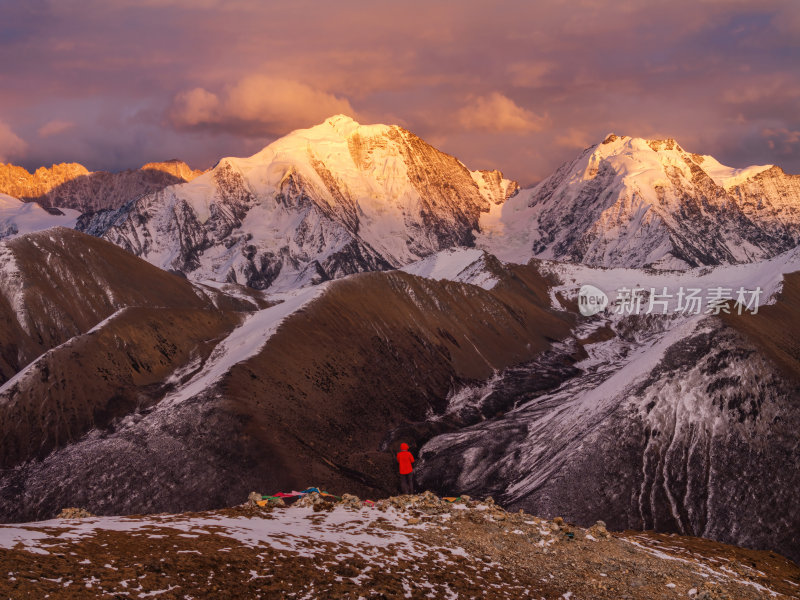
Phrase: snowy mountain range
{"type": "Point", "coordinates": [350, 287]}
{"type": "Point", "coordinates": [73, 186]}
{"type": "Point", "coordinates": [342, 198]}
{"type": "Point", "coordinates": [631, 202]}
{"type": "Point", "coordinates": [320, 203]}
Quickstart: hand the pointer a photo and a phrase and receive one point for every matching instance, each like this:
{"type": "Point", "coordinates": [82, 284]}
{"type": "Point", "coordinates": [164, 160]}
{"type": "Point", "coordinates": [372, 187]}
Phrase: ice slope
{"type": "Point", "coordinates": [19, 218]}
{"type": "Point", "coordinates": [317, 204]}
{"type": "Point", "coordinates": [728, 177]}
{"type": "Point", "coordinates": [766, 276]}
{"type": "Point", "coordinates": [631, 202]}
{"type": "Point", "coordinates": [467, 265]}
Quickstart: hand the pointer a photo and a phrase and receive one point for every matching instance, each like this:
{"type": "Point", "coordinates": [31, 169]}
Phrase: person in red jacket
{"type": "Point", "coordinates": [404, 459]}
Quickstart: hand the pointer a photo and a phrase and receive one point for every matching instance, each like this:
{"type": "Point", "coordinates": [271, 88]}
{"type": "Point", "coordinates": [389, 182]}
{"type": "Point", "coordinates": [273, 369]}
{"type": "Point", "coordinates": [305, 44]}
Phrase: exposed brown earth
{"type": "Point", "coordinates": [775, 329]}
{"type": "Point", "coordinates": [408, 546]}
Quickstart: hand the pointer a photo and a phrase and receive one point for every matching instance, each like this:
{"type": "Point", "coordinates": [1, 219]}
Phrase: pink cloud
{"type": "Point", "coordinates": [575, 138]}
{"type": "Point", "coordinates": [231, 75]}
{"type": "Point", "coordinates": [55, 127]}
{"type": "Point", "coordinates": [530, 73]}
{"type": "Point", "coordinates": [11, 145]}
{"type": "Point", "coordinates": [782, 139]}
{"type": "Point", "coordinates": [498, 113]}
{"type": "Point", "coordinates": [256, 105]}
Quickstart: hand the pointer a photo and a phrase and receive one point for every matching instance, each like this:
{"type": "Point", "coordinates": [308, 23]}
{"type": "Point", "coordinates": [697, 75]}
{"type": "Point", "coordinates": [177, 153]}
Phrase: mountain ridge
{"type": "Point", "coordinates": [634, 202]}
{"type": "Point", "coordinates": [359, 197]}
{"type": "Point", "coordinates": [73, 186]}
{"type": "Point", "coordinates": [317, 204]}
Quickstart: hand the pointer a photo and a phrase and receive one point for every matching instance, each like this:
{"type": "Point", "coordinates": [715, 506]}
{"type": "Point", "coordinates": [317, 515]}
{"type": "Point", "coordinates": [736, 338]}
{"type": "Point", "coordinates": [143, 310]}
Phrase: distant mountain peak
{"type": "Point", "coordinates": [636, 202]}
{"type": "Point", "coordinates": [73, 186]}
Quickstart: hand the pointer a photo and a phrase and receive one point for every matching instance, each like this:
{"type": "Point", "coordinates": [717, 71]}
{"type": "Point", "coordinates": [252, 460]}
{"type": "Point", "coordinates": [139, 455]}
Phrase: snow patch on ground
{"type": "Point", "coordinates": [289, 529]}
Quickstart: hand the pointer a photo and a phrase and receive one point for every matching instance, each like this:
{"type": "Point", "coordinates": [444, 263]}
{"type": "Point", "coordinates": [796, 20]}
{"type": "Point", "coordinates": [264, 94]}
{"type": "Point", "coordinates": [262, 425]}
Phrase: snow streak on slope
{"type": "Point", "coordinates": [31, 368]}
{"type": "Point", "coordinates": [11, 284]}
{"type": "Point", "coordinates": [18, 218]}
{"type": "Point", "coordinates": [245, 341]}
{"type": "Point", "coordinates": [630, 202]}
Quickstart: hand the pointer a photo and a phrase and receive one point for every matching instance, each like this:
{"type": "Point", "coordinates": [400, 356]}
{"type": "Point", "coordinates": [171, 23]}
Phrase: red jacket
{"type": "Point", "coordinates": [405, 458]}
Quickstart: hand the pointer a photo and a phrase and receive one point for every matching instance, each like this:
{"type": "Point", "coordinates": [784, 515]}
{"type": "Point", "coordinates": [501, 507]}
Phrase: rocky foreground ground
{"type": "Point", "coordinates": [403, 547]}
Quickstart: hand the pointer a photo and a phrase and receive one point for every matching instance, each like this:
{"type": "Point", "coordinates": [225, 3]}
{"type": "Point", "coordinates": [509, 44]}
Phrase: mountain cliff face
{"type": "Point", "coordinates": [342, 198]}
{"type": "Point", "coordinates": [72, 186]}
{"type": "Point", "coordinates": [673, 423]}
{"type": "Point", "coordinates": [320, 203]}
{"type": "Point", "coordinates": [771, 198]}
{"type": "Point", "coordinates": [631, 202]}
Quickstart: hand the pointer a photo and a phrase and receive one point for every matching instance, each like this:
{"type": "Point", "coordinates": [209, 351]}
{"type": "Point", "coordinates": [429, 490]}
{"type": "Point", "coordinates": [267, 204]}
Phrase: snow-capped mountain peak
{"type": "Point", "coordinates": [635, 202]}
{"type": "Point", "coordinates": [728, 177]}
{"type": "Point", "coordinates": [318, 203]}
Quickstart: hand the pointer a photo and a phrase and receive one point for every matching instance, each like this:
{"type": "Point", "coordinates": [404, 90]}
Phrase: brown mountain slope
{"type": "Point", "coordinates": [71, 185]}
{"type": "Point", "coordinates": [387, 349]}
{"type": "Point", "coordinates": [105, 375]}
{"type": "Point", "coordinates": [60, 283]}
{"type": "Point", "coordinates": [319, 402]}
{"type": "Point", "coordinates": [776, 327]}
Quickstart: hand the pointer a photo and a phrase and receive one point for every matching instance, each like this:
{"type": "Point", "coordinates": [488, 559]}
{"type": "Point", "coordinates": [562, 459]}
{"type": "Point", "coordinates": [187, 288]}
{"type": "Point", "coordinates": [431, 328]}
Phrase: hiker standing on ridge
{"type": "Point", "coordinates": [404, 459]}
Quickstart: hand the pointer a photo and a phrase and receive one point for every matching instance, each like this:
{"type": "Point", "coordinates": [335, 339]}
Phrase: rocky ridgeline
{"type": "Point", "coordinates": [420, 508]}
{"type": "Point", "coordinates": [592, 562]}
{"type": "Point", "coordinates": [415, 546]}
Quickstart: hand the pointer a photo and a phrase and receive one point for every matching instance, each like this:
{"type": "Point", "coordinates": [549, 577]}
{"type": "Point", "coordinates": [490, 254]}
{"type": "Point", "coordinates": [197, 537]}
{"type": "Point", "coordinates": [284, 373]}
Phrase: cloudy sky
{"type": "Point", "coordinates": [521, 86]}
